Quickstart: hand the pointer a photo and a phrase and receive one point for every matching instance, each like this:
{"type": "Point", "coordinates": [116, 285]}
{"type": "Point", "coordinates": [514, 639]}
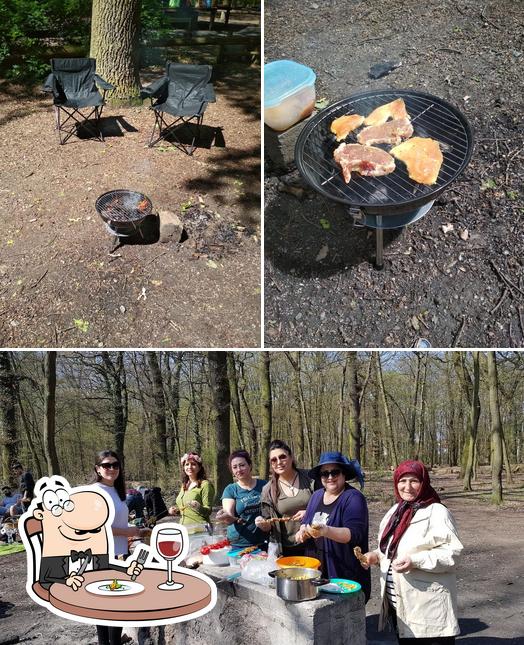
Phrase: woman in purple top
{"type": "Point", "coordinates": [336, 520]}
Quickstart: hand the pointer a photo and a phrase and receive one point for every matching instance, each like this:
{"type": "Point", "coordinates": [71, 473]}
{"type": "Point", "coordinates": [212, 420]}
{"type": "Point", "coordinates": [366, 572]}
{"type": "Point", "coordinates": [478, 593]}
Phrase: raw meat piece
{"type": "Point", "coordinates": [422, 157]}
{"type": "Point", "coordinates": [390, 132]}
{"type": "Point", "coordinates": [394, 110]}
{"type": "Point", "coordinates": [342, 126]}
{"type": "Point", "coordinates": [366, 160]}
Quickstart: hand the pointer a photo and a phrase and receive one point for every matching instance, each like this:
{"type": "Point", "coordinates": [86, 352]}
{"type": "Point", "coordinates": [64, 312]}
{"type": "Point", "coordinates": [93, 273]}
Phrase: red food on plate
{"type": "Point", "coordinates": [205, 550]}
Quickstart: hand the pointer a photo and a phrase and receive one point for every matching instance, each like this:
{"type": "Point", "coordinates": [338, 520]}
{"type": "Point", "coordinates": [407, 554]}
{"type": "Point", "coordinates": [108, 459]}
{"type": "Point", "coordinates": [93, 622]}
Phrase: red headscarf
{"type": "Point", "coordinates": [401, 518]}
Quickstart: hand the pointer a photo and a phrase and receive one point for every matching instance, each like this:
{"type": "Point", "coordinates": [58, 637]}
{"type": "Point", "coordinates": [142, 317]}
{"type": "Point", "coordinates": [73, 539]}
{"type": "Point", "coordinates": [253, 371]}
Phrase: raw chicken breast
{"type": "Point", "coordinates": [390, 132]}
{"type": "Point", "coordinates": [366, 160]}
{"type": "Point", "coordinates": [342, 126]}
{"type": "Point", "coordinates": [423, 159]}
{"type": "Point", "coordinates": [394, 110]}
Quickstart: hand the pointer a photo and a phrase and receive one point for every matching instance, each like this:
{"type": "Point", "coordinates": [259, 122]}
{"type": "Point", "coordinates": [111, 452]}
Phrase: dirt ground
{"type": "Point", "coordinates": [321, 289]}
{"type": "Point", "coordinates": [59, 287]}
{"type": "Point", "coordinates": [490, 572]}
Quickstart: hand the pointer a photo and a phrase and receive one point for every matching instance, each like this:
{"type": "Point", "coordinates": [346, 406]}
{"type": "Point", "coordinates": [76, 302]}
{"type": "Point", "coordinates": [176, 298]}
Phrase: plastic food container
{"type": "Point", "coordinates": [289, 93]}
{"type": "Point", "coordinates": [218, 558]}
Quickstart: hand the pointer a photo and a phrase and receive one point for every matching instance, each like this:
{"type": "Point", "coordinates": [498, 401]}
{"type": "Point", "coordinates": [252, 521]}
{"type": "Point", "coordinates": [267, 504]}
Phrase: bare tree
{"type": "Point", "coordinates": [390, 439]}
{"type": "Point", "coordinates": [8, 424]}
{"type": "Point", "coordinates": [496, 430]}
{"type": "Point", "coordinates": [221, 401]}
{"type": "Point", "coordinates": [53, 467]}
{"type": "Point", "coordinates": [470, 387]}
{"type": "Point", "coordinates": [266, 413]}
{"type": "Point", "coordinates": [235, 397]}
{"type": "Point", "coordinates": [355, 425]}
{"type": "Point", "coordinates": [159, 409]}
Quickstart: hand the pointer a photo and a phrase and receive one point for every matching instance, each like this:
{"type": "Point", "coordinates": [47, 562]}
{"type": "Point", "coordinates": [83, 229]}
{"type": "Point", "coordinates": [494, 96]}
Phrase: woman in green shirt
{"type": "Point", "coordinates": [195, 499]}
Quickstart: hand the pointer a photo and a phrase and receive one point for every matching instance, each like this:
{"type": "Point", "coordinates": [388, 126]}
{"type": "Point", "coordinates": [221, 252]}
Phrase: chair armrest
{"type": "Point", "coordinates": [209, 93]}
{"type": "Point", "coordinates": [50, 84]}
{"type": "Point", "coordinates": [103, 85]}
{"type": "Point", "coordinates": [155, 89]}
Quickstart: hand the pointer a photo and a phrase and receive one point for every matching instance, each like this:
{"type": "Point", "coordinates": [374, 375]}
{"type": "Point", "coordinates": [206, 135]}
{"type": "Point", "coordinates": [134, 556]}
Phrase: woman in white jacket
{"type": "Point", "coordinates": [417, 554]}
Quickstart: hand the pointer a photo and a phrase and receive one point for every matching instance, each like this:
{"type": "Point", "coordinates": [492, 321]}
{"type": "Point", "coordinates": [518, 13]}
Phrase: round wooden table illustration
{"type": "Point", "coordinates": [147, 604]}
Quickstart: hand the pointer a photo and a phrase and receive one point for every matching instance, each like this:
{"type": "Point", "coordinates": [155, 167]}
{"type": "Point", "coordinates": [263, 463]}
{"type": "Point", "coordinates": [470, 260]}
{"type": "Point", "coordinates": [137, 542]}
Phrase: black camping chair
{"type": "Point", "coordinates": [183, 93]}
{"type": "Point", "coordinates": [75, 87]}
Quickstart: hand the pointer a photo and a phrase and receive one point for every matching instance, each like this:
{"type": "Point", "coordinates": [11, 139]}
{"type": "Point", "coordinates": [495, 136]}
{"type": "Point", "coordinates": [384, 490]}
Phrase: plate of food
{"type": "Point", "coordinates": [340, 585]}
{"type": "Point", "coordinates": [114, 587]}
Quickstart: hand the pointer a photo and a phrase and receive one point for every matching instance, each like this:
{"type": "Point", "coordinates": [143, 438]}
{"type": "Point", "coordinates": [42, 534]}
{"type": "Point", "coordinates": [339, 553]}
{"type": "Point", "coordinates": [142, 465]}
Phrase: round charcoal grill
{"type": "Point", "coordinates": [123, 211]}
{"type": "Point", "coordinates": [395, 193]}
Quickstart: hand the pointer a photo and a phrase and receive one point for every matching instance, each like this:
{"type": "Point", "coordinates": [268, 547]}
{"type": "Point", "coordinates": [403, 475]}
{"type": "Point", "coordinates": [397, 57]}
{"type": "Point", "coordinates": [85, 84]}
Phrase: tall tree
{"type": "Point", "coordinates": [355, 424]}
{"type": "Point", "coordinates": [159, 408]}
{"type": "Point", "coordinates": [115, 28]}
{"type": "Point", "coordinates": [115, 378]}
{"type": "Point", "coordinates": [305, 451]}
{"type": "Point", "coordinates": [221, 401]}
{"type": "Point", "coordinates": [173, 400]}
{"type": "Point", "coordinates": [471, 388]}
{"type": "Point", "coordinates": [8, 425]}
{"type": "Point", "coordinates": [496, 430]}
{"type": "Point", "coordinates": [266, 402]}
{"type": "Point", "coordinates": [53, 467]}
{"type": "Point", "coordinates": [235, 397]}
{"type": "Point", "coordinates": [390, 439]}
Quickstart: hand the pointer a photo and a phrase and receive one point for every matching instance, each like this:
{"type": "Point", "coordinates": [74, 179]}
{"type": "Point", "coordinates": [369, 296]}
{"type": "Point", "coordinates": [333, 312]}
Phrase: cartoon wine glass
{"type": "Point", "coordinates": [169, 543]}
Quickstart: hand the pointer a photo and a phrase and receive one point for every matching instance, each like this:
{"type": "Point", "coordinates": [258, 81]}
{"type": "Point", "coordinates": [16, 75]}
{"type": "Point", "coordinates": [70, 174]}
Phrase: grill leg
{"type": "Point", "coordinates": [379, 233]}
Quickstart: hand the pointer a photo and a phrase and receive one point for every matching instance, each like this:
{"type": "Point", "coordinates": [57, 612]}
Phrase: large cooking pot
{"type": "Point", "coordinates": [296, 584]}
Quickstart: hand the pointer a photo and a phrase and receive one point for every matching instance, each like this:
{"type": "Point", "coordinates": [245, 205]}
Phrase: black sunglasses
{"type": "Point", "coordinates": [326, 473]}
{"type": "Point", "coordinates": [108, 465]}
{"type": "Point", "coordinates": [274, 460]}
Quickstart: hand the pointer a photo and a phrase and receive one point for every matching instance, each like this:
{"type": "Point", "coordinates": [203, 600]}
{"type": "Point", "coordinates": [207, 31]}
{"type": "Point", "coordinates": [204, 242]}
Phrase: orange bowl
{"type": "Point", "coordinates": [298, 561]}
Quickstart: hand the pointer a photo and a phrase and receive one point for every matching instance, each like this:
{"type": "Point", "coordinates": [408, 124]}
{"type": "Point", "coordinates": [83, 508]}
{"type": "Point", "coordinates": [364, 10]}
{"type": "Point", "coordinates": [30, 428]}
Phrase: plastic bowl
{"type": "Point", "coordinates": [217, 558]}
{"type": "Point", "coordinates": [301, 561]}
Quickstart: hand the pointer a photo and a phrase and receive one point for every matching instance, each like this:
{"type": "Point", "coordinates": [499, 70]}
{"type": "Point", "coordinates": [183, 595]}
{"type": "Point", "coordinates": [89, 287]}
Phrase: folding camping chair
{"type": "Point", "coordinates": [183, 93]}
{"type": "Point", "coordinates": [75, 87]}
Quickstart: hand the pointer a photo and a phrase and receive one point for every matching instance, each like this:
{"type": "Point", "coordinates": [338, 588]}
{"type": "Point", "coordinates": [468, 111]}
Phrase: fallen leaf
{"type": "Point", "coordinates": [321, 103]}
{"type": "Point", "coordinates": [325, 224]}
{"type": "Point", "coordinates": [464, 235]}
{"type": "Point", "coordinates": [10, 242]}
{"type": "Point", "coordinates": [122, 309]}
{"type": "Point", "coordinates": [415, 323]}
{"type": "Point", "coordinates": [157, 283]}
{"type": "Point", "coordinates": [446, 228]}
{"type": "Point", "coordinates": [211, 264]}
{"type": "Point", "coordinates": [322, 254]}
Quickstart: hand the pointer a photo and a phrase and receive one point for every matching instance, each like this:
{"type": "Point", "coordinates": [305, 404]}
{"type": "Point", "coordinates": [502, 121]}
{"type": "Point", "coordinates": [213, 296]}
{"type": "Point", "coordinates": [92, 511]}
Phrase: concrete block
{"type": "Point", "coordinates": [171, 227]}
{"type": "Point", "coordinates": [280, 146]}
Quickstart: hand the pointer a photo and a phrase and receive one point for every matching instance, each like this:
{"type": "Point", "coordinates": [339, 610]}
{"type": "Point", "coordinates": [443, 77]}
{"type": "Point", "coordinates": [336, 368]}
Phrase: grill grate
{"type": "Point", "coordinates": [431, 117]}
{"type": "Point", "coordinates": [123, 207]}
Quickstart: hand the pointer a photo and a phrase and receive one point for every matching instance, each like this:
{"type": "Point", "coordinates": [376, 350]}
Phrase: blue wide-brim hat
{"type": "Point", "coordinates": [350, 467]}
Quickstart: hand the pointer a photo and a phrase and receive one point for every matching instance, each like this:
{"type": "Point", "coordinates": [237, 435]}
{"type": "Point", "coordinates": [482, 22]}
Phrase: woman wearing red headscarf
{"type": "Point", "coordinates": [417, 554]}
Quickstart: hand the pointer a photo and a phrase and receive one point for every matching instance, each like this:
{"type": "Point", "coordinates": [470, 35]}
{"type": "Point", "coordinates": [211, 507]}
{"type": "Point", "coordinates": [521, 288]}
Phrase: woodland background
{"type": "Point", "coordinates": [453, 409]}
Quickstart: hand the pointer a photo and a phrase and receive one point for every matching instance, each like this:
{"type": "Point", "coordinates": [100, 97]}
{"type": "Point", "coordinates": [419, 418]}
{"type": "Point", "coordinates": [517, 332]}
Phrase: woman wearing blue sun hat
{"type": "Point", "coordinates": [336, 520]}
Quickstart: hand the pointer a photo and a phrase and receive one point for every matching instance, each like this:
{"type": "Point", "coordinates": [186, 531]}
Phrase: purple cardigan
{"type": "Point", "coordinates": [350, 511]}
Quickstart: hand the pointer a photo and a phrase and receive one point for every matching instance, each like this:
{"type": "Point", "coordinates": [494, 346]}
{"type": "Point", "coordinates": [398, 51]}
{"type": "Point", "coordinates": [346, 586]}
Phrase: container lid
{"type": "Point", "coordinates": [282, 78]}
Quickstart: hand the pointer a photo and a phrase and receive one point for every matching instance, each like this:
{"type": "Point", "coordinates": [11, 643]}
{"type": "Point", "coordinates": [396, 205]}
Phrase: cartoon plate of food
{"type": "Point", "coordinates": [114, 587]}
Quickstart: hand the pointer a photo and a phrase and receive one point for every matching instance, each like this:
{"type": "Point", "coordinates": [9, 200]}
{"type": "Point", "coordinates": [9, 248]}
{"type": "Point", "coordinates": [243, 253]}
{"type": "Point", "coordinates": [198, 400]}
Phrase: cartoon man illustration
{"type": "Point", "coordinates": [75, 538]}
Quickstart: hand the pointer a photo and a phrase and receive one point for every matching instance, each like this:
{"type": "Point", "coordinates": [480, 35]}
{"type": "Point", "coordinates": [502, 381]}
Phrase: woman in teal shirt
{"type": "Point", "coordinates": [241, 503]}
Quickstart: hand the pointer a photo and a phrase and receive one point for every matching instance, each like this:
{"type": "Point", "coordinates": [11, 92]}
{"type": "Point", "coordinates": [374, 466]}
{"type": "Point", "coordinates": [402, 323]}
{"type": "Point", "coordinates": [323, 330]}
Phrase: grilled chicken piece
{"type": "Point", "coordinates": [390, 132]}
{"type": "Point", "coordinates": [366, 160]}
{"type": "Point", "coordinates": [394, 110]}
{"type": "Point", "coordinates": [342, 126]}
{"type": "Point", "coordinates": [423, 159]}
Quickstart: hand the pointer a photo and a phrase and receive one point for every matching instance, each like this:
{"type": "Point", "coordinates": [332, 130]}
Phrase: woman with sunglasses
{"type": "Point", "coordinates": [241, 503]}
{"type": "Point", "coordinates": [336, 520]}
{"type": "Point", "coordinates": [195, 500]}
{"type": "Point", "coordinates": [110, 478]}
{"type": "Point", "coordinates": [417, 554]}
{"type": "Point", "coordinates": [284, 500]}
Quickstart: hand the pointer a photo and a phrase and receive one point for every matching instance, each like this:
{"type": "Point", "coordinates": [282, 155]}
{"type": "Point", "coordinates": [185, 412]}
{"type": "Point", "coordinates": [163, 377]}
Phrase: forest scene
{"type": "Point", "coordinates": [461, 413]}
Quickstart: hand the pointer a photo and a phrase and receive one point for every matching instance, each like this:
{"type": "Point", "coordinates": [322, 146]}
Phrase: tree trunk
{"type": "Point", "coordinates": [496, 430]}
{"type": "Point", "coordinates": [342, 407]}
{"type": "Point", "coordinates": [305, 446]}
{"type": "Point", "coordinates": [221, 401]}
{"type": "Point", "coordinates": [390, 439]}
{"type": "Point", "coordinates": [355, 426]}
{"type": "Point", "coordinates": [51, 454]}
{"type": "Point", "coordinates": [173, 398]}
{"type": "Point", "coordinates": [266, 404]}
{"type": "Point", "coordinates": [115, 28]}
{"type": "Point", "coordinates": [8, 425]}
{"type": "Point", "coordinates": [252, 430]}
{"type": "Point", "coordinates": [235, 398]}
{"type": "Point", "coordinates": [159, 409]}
{"type": "Point", "coordinates": [116, 384]}
{"type": "Point", "coordinates": [471, 390]}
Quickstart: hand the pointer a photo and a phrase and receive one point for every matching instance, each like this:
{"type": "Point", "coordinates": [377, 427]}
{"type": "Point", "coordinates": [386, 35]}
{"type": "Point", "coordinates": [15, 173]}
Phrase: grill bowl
{"type": "Point", "coordinates": [391, 194]}
{"type": "Point", "coordinates": [120, 210]}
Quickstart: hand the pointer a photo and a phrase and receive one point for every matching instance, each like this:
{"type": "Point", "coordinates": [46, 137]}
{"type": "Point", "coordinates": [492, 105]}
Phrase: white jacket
{"type": "Point", "coordinates": [427, 594]}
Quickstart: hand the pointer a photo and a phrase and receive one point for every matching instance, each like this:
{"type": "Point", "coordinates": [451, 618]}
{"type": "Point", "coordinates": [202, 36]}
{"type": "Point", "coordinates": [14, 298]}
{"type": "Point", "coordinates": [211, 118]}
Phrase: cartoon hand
{"type": "Point", "coordinates": [134, 568]}
{"type": "Point", "coordinates": [74, 581]}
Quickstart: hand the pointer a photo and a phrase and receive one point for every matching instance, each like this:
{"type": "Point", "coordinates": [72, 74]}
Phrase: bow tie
{"type": "Point", "coordinates": [77, 555]}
